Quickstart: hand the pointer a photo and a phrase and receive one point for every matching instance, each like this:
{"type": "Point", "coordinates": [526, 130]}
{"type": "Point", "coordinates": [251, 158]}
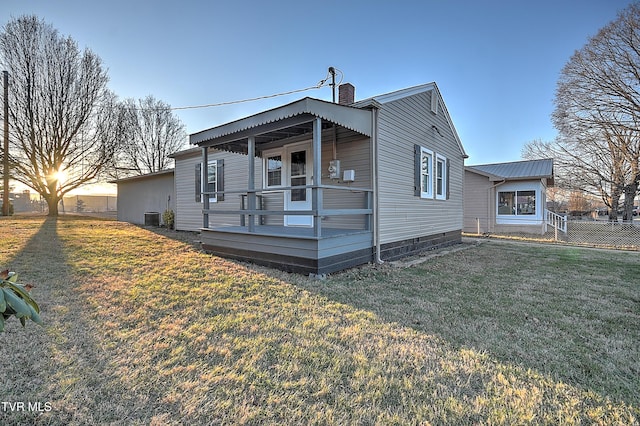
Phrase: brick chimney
{"type": "Point", "coordinates": [346, 94]}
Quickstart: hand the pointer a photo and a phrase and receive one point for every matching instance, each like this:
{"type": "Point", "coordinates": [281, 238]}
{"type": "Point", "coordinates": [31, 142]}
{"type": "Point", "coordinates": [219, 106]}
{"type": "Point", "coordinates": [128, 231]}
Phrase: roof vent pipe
{"type": "Point", "coordinates": [346, 94]}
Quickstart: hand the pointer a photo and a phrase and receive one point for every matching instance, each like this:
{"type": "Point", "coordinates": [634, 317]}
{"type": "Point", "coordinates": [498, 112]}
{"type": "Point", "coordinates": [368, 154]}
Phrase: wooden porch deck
{"type": "Point", "coordinates": [294, 249]}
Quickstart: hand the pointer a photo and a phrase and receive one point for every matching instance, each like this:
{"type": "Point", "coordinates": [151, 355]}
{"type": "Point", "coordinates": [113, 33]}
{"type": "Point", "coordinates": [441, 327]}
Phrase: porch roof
{"type": "Point", "coordinates": [287, 121]}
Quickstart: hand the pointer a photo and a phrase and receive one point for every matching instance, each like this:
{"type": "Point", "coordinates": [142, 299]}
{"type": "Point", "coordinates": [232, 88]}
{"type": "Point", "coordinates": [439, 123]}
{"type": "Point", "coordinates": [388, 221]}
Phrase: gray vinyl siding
{"type": "Point", "coordinates": [352, 150]}
{"type": "Point", "coordinates": [188, 211]}
{"type": "Point", "coordinates": [354, 153]}
{"type": "Point", "coordinates": [403, 216]}
{"type": "Point", "coordinates": [477, 207]}
{"type": "Point", "coordinates": [153, 193]}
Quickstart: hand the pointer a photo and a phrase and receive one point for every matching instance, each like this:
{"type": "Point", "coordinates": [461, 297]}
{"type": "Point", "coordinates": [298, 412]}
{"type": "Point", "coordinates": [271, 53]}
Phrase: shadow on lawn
{"type": "Point", "coordinates": [386, 292]}
{"type": "Point", "coordinates": [465, 315]}
{"type": "Point", "coordinates": [66, 345]}
{"type": "Point", "coordinates": [468, 315]}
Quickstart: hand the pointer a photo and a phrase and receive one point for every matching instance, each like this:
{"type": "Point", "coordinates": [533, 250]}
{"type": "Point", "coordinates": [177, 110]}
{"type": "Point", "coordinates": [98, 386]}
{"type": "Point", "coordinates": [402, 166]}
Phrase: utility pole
{"type": "Point", "coordinates": [5, 172]}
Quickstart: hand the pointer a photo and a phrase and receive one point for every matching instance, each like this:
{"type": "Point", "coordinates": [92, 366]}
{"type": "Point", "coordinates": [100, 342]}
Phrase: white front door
{"type": "Point", "coordinates": [298, 171]}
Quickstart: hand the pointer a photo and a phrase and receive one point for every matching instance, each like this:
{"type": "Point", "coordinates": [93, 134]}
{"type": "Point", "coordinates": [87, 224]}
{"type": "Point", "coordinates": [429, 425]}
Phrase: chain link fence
{"type": "Point", "coordinates": [603, 234]}
{"type": "Point", "coordinates": [594, 233]}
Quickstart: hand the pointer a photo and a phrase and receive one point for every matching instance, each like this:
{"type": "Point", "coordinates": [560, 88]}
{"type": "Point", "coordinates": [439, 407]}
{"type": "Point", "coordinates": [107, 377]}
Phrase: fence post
{"type": "Point", "coordinates": [478, 225]}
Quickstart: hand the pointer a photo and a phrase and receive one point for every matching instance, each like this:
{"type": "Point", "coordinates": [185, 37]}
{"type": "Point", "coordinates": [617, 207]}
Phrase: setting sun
{"type": "Point", "coordinates": [60, 176]}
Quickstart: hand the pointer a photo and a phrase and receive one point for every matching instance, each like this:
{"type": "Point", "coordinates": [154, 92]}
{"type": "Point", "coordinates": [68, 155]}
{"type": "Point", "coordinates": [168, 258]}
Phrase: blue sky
{"type": "Point", "coordinates": [495, 62]}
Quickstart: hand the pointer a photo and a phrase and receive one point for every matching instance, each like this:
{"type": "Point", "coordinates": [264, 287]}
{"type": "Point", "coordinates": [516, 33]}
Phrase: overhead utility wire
{"type": "Point", "coordinates": [320, 84]}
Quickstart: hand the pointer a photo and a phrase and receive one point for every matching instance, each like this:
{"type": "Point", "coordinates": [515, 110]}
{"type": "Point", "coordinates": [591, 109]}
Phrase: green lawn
{"type": "Point", "coordinates": [143, 329]}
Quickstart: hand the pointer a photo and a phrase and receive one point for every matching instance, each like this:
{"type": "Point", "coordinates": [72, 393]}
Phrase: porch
{"type": "Point", "coordinates": [262, 237]}
{"type": "Point", "coordinates": [297, 213]}
{"type": "Point", "coordinates": [292, 250]}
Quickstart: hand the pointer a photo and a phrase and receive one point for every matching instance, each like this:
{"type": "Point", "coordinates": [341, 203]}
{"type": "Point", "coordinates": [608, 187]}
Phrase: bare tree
{"type": "Point", "coordinates": [577, 168]}
{"type": "Point", "coordinates": [597, 113]}
{"type": "Point", "coordinates": [154, 133]}
{"type": "Point", "coordinates": [63, 118]}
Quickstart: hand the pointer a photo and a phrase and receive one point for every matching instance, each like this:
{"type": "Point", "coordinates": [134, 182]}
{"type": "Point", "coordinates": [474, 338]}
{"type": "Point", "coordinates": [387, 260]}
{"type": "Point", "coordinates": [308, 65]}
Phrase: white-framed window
{"type": "Point", "coordinates": [426, 173]}
{"type": "Point", "coordinates": [441, 177]}
{"type": "Point", "coordinates": [212, 180]}
{"type": "Point", "coordinates": [517, 203]}
{"type": "Point", "coordinates": [215, 181]}
{"type": "Point", "coordinates": [431, 174]}
{"type": "Point", "coordinates": [273, 170]}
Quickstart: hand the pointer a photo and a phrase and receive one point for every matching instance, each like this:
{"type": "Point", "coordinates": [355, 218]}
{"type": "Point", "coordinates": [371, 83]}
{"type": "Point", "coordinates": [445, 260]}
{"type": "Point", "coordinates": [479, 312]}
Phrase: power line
{"type": "Point", "coordinates": [320, 84]}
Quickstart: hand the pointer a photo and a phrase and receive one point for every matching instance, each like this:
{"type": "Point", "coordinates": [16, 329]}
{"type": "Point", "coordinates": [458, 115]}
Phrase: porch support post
{"type": "Point", "coordinates": [251, 183]}
{"type": "Point", "coordinates": [316, 193]}
{"type": "Point", "coordinates": [204, 171]}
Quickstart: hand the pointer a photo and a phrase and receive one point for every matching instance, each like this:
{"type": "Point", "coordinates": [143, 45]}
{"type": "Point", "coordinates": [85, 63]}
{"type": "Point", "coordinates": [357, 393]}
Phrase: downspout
{"type": "Point", "coordinates": [376, 204]}
{"type": "Point", "coordinates": [489, 203]}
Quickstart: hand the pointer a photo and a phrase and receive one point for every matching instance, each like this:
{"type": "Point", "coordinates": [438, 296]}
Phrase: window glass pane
{"type": "Point", "coordinates": [298, 194]}
{"type": "Point", "coordinates": [211, 172]}
{"type": "Point", "coordinates": [526, 202]}
{"type": "Point", "coordinates": [274, 171]}
{"type": "Point", "coordinates": [506, 203]}
{"type": "Point", "coordinates": [426, 173]}
{"type": "Point", "coordinates": [212, 179]}
{"type": "Point", "coordinates": [298, 163]}
{"type": "Point", "coordinates": [439, 177]}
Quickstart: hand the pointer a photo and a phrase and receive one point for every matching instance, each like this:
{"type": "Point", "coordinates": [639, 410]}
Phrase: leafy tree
{"type": "Point", "coordinates": [63, 119]}
{"type": "Point", "coordinates": [597, 114]}
{"type": "Point", "coordinates": [154, 132]}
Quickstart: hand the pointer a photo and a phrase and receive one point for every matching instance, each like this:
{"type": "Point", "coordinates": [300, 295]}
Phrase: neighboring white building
{"type": "Point", "coordinates": [507, 197]}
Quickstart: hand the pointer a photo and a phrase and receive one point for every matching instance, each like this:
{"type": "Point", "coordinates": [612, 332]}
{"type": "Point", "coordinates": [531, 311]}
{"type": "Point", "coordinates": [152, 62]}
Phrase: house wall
{"type": "Point", "coordinates": [352, 149]}
{"type": "Point", "coordinates": [147, 194]}
{"type": "Point", "coordinates": [404, 216]}
{"type": "Point", "coordinates": [188, 210]}
{"type": "Point", "coordinates": [354, 152]}
{"type": "Point", "coordinates": [479, 204]}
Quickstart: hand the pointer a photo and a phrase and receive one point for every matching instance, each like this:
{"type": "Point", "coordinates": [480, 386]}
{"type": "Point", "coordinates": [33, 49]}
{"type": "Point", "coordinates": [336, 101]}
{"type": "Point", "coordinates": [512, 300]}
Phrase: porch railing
{"type": "Point", "coordinates": [250, 209]}
{"type": "Point", "coordinates": [556, 221]}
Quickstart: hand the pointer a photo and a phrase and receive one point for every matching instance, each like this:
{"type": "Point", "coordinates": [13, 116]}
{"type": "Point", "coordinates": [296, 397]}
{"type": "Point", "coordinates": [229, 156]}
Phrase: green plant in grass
{"type": "Point", "coordinates": [168, 217]}
{"type": "Point", "coordinates": [16, 300]}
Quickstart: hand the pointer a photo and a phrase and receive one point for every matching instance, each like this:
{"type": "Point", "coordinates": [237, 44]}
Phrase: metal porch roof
{"type": "Point", "coordinates": [286, 121]}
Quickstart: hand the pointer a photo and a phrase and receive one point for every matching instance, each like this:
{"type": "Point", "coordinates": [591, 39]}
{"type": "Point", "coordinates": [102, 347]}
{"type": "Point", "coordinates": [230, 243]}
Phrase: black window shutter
{"type": "Point", "coordinates": [417, 170]}
{"type": "Point", "coordinates": [220, 176]}
{"type": "Point", "coordinates": [199, 183]}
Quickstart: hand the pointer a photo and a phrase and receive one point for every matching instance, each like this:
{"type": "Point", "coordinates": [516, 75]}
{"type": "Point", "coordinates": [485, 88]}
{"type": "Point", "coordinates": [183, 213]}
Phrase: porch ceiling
{"type": "Point", "coordinates": [292, 120]}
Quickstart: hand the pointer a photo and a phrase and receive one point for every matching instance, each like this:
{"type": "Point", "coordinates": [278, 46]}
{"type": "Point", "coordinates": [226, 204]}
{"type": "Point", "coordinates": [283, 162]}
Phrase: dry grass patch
{"type": "Point", "coordinates": [143, 329]}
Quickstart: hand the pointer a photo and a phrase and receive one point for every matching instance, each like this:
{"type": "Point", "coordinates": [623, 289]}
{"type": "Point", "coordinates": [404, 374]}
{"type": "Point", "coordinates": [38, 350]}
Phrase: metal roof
{"type": "Point", "coordinates": [290, 120]}
{"type": "Point", "coordinates": [145, 176]}
{"type": "Point", "coordinates": [517, 170]}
